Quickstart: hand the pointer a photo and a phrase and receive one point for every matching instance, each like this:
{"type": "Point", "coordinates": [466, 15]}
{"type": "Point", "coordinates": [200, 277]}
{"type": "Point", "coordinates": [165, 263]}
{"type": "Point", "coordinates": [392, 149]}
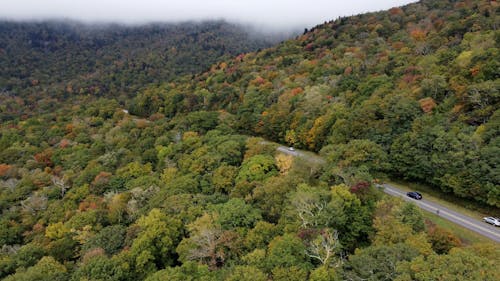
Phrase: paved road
{"type": "Point", "coordinates": [473, 224]}
{"type": "Point", "coordinates": [309, 156]}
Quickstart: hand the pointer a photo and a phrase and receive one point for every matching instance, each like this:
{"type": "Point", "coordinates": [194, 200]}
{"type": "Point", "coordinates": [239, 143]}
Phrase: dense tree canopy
{"type": "Point", "coordinates": [115, 166]}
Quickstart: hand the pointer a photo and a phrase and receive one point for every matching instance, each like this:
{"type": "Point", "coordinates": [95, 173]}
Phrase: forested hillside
{"type": "Point", "coordinates": [178, 182]}
{"type": "Point", "coordinates": [63, 59]}
{"type": "Point", "coordinates": [412, 92]}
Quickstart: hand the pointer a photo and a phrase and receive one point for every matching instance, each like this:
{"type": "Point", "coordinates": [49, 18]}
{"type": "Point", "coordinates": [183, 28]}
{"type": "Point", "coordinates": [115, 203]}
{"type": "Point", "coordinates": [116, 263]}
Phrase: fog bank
{"type": "Point", "coordinates": [275, 15]}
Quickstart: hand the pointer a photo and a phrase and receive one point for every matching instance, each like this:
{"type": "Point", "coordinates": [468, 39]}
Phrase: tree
{"type": "Point", "coordinates": [201, 121]}
{"type": "Point", "coordinates": [260, 236]}
{"type": "Point", "coordinates": [323, 273]}
{"type": "Point", "coordinates": [246, 273]}
{"type": "Point", "coordinates": [188, 271]}
{"type": "Point", "coordinates": [378, 262]}
{"type": "Point", "coordinates": [63, 249]}
{"type": "Point", "coordinates": [35, 203]}
{"type": "Point", "coordinates": [223, 178]}
{"type": "Point", "coordinates": [435, 87]}
{"type": "Point", "coordinates": [359, 153]}
{"type": "Point", "coordinates": [271, 196]}
{"type": "Point", "coordinates": [324, 247]}
{"type": "Point", "coordinates": [6, 171]}
{"type": "Point", "coordinates": [117, 207]}
{"type": "Point", "coordinates": [441, 239]}
{"type": "Point", "coordinates": [310, 206]}
{"type": "Point", "coordinates": [100, 184]}
{"type": "Point", "coordinates": [393, 227]}
{"type": "Point", "coordinates": [155, 241]}
{"type": "Point", "coordinates": [349, 217]}
{"type": "Point", "coordinates": [389, 229]}
{"type": "Point", "coordinates": [61, 184]}
{"type": "Point", "coordinates": [257, 146]}
{"type": "Point", "coordinates": [316, 136]}
{"type": "Point", "coordinates": [292, 273]}
{"type": "Point", "coordinates": [257, 168]}
{"type": "Point", "coordinates": [56, 231]}
{"type": "Point", "coordinates": [134, 170]}
{"type": "Point", "coordinates": [100, 267]}
{"type": "Point", "coordinates": [207, 242]}
{"type": "Point", "coordinates": [284, 163]}
{"type": "Point", "coordinates": [236, 213]}
{"type": "Point", "coordinates": [459, 264]}
{"type": "Point", "coordinates": [110, 238]}
{"type": "Point", "coordinates": [28, 255]}
{"type": "Point", "coordinates": [47, 269]}
{"type": "Point", "coordinates": [287, 251]}
{"type": "Point", "coordinates": [410, 214]}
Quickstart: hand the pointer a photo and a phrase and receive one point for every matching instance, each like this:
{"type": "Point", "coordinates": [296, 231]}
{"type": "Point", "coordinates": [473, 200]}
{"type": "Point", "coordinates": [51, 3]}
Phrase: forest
{"type": "Point", "coordinates": [65, 58]}
{"type": "Point", "coordinates": [123, 160]}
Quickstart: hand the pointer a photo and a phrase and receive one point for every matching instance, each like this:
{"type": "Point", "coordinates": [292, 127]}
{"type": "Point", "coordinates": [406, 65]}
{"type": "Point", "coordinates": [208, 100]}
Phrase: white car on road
{"type": "Point", "coordinates": [492, 220]}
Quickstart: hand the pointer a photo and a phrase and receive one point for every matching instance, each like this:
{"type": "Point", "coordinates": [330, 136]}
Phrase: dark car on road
{"type": "Point", "coordinates": [414, 195]}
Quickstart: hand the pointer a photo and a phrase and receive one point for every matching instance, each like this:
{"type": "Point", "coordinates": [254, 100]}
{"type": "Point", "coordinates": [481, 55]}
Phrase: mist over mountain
{"type": "Point", "coordinates": [114, 59]}
{"type": "Point", "coordinates": [275, 15]}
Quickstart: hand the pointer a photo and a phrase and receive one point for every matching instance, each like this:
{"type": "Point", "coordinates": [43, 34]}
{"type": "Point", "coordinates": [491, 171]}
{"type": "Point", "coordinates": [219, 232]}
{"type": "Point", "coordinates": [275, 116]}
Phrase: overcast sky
{"type": "Point", "coordinates": [278, 14]}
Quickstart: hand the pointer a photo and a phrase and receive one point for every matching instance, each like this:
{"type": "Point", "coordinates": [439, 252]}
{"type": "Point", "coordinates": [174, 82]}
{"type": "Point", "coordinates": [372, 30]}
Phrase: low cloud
{"type": "Point", "coordinates": [272, 14]}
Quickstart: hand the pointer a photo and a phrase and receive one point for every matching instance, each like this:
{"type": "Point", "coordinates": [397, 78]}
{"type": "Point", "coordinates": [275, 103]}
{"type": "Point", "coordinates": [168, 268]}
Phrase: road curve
{"type": "Point", "coordinates": [309, 156]}
{"type": "Point", "coordinates": [473, 224]}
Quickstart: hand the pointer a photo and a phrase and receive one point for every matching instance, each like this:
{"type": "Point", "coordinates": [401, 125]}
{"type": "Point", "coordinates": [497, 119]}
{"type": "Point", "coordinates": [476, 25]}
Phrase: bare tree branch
{"type": "Point", "coordinates": [61, 184]}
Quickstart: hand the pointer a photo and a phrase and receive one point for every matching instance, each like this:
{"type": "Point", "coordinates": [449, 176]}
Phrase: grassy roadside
{"type": "Point", "coordinates": [460, 205]}
{"type": "Point", "coordinates": [467, 236]}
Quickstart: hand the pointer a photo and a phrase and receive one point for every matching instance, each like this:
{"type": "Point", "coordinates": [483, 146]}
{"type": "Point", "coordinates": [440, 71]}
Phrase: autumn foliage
{"type": "Point", "coordinates": [116, 165]}
{"type": "Point", "coordinates": [5, 170]}
{"type": "Point", "coordinates": [427, 104]}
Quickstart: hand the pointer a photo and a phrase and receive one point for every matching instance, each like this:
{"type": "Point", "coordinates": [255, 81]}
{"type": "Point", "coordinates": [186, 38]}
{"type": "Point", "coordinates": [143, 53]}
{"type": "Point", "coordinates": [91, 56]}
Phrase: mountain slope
{"type": "Point", "coordinates": [419, 84]}
{"type": "Point", "coordinates": [176, 189]}
{"type": "Point", "coordinates": [66, 58]}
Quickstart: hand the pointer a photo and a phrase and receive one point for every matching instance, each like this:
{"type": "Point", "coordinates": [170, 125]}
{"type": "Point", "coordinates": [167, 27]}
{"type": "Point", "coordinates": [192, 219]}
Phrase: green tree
{"type": "Point", "coordinates": [223, 178]}
{"type": "Point", "coordinates": [459, 264]}
{"type": "Point", "coordinates": [434, 87]}
{"type": "Point", "coordinates": [324, 273]}
{"type": "Point", "coordinates": [349, 217]}
{"type": "Point", "coordinates": [310, 206]}
{"type": "Point", "coordinates": [246, 273]}
{"type": "Point", "coordinates": [134, 170]}
{"type": "Point", "coordinates": [293, 273]}
{"type": "Point", "coordinates": [359, 153]}
{"type": "Point", "coordinates": [378, 262]}
{"type": "Point", "coordinates": [257, 168]}
{"type": "Point", "coordinates": [28, 255]}
{"type": "Point", "coordinates": [208, 243]}
{"type": "Point", "coordinates": [47, 269]}
{"type": "Point", "coordinates": [260, 236]}
{"type": "Point", "coordinates": [155, 242]}
{"type": "Point", "coordinates": [271, 196]}
{"type": "Point", "coordinates": [189, 271]}
{"type": "Point", "coordinates": [410, 214]}
{"type": "Point", "coordinates": [63, 249]}
{"type": "Point", "coordinates": [237, 213]}
{"type": "Point", "coordinates": [100, 268]}
{"type": "Point", "coordinates": [286, 251]}
{"type": "Point", "coordinates": [325, 248]}
{"type": "Point", "coordinates": [110, 238]}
